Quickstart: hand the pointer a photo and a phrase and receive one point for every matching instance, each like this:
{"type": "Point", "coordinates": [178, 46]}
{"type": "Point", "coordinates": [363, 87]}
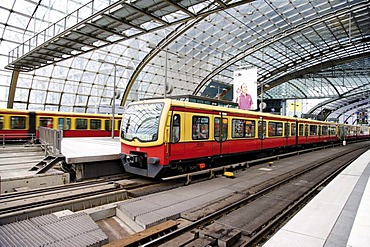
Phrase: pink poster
{"type": "Point", "coordinates": [245, 88]}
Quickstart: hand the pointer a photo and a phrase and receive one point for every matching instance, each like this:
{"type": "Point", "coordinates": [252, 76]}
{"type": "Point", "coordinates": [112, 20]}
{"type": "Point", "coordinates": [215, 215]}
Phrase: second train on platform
{"type": "Point", "coordinates": [24, 124]}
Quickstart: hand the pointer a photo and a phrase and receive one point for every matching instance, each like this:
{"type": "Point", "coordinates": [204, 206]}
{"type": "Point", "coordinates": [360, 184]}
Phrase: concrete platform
{"type": "Point", "coordinates": [338, 216]}
{"type": "Point", "coordinates": [15, 174]}
{"type": "Point", "coordinates": [189, 201]}
{"type": "Point", "coordinates": [83, 150]}
{"type": "Point", "coordinates": [90, 157]}
{"type": "Point", "coordinates": [93, 157]}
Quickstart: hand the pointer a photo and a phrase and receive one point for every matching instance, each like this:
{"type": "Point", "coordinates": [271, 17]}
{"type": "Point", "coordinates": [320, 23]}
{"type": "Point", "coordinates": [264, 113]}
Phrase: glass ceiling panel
{"type": "Point", "coordinates": [202, 54]}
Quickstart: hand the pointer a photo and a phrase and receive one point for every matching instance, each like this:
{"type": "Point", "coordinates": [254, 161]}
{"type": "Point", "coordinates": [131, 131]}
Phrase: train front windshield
{"type": "Point", "coordinates": [141, 121]}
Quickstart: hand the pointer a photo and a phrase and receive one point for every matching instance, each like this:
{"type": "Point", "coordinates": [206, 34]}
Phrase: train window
{"type": "Point", "coordinates": [319, 130]}
{"type": "Point", "coordinates": [238, 128]}
{"type": "Point", "coordinates": [332, 130]}
{"type": "Point", "coordinates": [1, 122]}
{"type": "Point", "coordinates": [46, 122]}
{"type": "Point", "coordinates": [107, 125]}
{"type": "Point", "coordinates": [68, 124]}
{"type": "Point", "coordinates": [275, 129]}
{"type": "Point", "coordinates": [81, 123]}
{"type": "Point", "coordinates": [300, 130]}
{"type": "Point", "coordinates": [294, 129]}
{"type": "Point", "coordinates": [119, 124]}
{"type": "Point", "coordinates": [17, 122]}
{"type": "Point", "coordinates": [306, 129]}
{"type": "Point", "coordinates": [60, 123]}
{"type": "Point", "coordinates": [261, 129]}
{"type": "Point", "coordinates": [324, 130]}
{"type": "Point", "coordinates": [95, 124]}
{"type": "Point", "coordinates": [346, 130]}
{"type": "Point", "coordinates": [200, 128]}
{"type": "Point", "coordinates": [217, 129]}
{"type": "Point", "coordinates": [250, 128]}
{"type": "Point", "coordinates": [175, 133]}
{"type": "Point", "coordinates": [313, 130]}
{"type": "Point", "coordinates": [286, 129]}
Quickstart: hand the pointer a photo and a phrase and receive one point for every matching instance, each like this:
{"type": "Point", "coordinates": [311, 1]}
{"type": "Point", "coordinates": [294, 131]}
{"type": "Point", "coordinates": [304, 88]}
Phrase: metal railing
{"type": "Point", "coordinates": [73, 19]}
{"type": "Point", "coordinates": [14, 137]}
{"type": "Point", "coordinates": [51, 140]}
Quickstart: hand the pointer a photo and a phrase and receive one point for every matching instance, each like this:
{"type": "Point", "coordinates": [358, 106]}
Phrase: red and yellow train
{"type": "Point", "coordinates": [160, 135]}
{"type": "Point", "coordinates": [22, 124]}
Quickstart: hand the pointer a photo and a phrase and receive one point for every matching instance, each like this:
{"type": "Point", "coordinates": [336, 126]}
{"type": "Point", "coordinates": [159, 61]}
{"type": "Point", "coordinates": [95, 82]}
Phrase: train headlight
{"type": "Point", "coordinates": [132, 159]}
{"type": "Point", "coordinates": [129, 159]}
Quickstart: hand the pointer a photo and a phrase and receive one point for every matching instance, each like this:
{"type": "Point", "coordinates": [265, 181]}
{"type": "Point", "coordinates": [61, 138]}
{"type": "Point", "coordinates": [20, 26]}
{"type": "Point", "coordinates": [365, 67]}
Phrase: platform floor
{"type": "Point", "coordinates": [16, 162]}
{"type": "Point", "coordinates": [338, 216]}
{"type": "Point", "coordinates": [83, 150]}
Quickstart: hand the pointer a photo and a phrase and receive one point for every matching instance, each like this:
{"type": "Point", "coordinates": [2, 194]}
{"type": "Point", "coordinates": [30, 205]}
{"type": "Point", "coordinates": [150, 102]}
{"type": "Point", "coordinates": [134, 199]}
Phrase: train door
{"type": "Point", "coordinates": [177, 146]}
{"type": "Point", "coordinates": [287, 133]}
{"type": "Point", "coordinates": [262, 131]}
{"type": "Point", "coordinates": [341, 132]}
{"type": "Point", "coordinates": [108, 125]}
{"type": "Point", "coordinates": [295, 132]}
{"type": "Point", "coordinates": [32, 123]}
{"type": "Point", "coordinates": [301, 133]}
{"type": "Point", "coordinates": [220, 127]}
{"type": "Point", "coordinates": [306, 132]}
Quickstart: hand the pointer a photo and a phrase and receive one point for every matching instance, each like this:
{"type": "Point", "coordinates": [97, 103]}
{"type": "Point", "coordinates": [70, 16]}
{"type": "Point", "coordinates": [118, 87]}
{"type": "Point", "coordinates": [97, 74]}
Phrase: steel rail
{"type": "Point", "coordinates": [217, 214]}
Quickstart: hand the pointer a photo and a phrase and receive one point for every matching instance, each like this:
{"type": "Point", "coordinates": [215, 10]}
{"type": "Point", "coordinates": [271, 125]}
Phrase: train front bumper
{"type": "Point", "coordinates": [139, 164]}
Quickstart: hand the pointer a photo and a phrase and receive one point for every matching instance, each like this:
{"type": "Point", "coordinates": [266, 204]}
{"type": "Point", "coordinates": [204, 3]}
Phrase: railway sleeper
{"type": "Point", "coordinates": [146, 235]}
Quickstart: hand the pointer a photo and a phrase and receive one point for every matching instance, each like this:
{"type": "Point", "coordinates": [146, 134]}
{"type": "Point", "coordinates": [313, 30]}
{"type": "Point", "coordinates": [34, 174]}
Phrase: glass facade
{"type": "Point", "coordinates": [302, 50]}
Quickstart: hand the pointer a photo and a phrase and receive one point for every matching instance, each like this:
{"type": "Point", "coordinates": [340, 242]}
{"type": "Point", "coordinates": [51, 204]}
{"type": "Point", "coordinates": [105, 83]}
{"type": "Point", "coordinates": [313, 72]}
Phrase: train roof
{"type": "Point", "coordinates": [19, 111]}
{"type": "Point", "coordinates": [187, 104]}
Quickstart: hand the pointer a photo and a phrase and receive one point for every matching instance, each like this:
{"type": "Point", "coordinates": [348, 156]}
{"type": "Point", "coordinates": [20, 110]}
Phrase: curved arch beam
{"type": "Point", "coordinates": [298, 89]}
{"type": "Point", "coordinates": [315, 68]}
{"type": "Point", "coordinates": [163, 44]}
{"type": "Point", "coordinates": [277, 37]}
{"type": "Point", "coordinates": [354, 106]}
{"type": "Point", "coordinates": [171, 37]}
{"type": "Point", "coordinates": [341, 97]}
{"type": "Point", "coordinates": [348, 111]}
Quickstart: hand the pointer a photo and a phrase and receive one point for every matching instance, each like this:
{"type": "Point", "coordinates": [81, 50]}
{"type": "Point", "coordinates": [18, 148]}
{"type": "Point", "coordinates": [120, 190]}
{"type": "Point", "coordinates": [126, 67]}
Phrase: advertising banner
{"type": "Point", "coordinates": [294, 108]}
{"type": "Point", "coordinates": [362, 117]}
{"type": "Point", "coordinates": [245, 88]}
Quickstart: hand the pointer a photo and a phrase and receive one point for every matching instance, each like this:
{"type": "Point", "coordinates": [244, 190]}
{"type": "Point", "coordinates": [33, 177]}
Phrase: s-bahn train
{"type": "Point", "coordinates": [22, 124]}
{"type": "Point", "coordinates": [163, 135]}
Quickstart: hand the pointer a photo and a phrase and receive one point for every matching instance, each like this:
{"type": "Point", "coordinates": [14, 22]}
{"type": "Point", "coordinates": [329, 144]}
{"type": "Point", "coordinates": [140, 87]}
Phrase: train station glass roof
{"type": "Point", "coordinates": [66, 52]}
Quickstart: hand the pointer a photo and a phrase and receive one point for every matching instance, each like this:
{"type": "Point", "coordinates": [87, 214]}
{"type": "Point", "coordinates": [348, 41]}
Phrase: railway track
{"type": "Point", "coordinates": [75, 197]}
{"type": "Point", "coordinates": [249, 222]}
{"type": "Point", "coordinates": [79, 196]}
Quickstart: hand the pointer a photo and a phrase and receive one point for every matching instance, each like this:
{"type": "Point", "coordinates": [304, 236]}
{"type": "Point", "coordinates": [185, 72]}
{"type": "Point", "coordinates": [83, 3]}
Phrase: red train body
{"type": "Point", "coordinates": [22, 124]}
{"type": "Point", "coordinates": [166, 134]}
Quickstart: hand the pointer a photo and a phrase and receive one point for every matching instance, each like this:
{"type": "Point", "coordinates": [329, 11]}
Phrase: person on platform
{"type": "Point", "coordinates": [244, 99]}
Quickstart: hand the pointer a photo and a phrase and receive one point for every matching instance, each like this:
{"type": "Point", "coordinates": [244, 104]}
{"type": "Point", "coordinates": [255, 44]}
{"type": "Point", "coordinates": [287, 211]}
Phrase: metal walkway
{"type": "Point", "coordinates": [59, 229]}
{"type": "Point", "coordinates": [93, 27]}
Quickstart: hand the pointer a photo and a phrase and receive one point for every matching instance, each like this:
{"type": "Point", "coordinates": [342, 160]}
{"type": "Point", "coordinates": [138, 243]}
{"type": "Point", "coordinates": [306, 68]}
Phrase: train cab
{"type": "Point", "coordinates": [144, 141]}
